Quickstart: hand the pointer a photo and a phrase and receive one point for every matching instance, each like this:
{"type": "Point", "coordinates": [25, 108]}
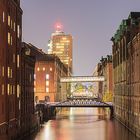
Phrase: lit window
{"type": "Point", "coordinates": [34, 83]}
{"type": "Point", "coordinates": [50, 68]}
{"type": "Point", "coordinates": [47, 89]}
{"type": "Point", "coordinates": [47, 76]}
{"type": "Point", "coordinates": [3, 15]}
{"type": "Point", "coordinates": [9, 38]}
{"type": "Point", "coordinates": [18, 90]}
{"type": "Point", "coordinates": [43, 68]}
{"type": "Point", "coordinates": [18, 60]}
{"type": "Point", "coordinates": [2, 89]}
{"type": "Point", "coordinates": [18, 31]}
{"type": "Point", "coordinates": [47, 83]}
{"type": "Point", "coordinates": [8, 72]}
{"type": "Point", "coordinates": [34, 76]}
{"type": "Point", "coordinates": [8, 89]}
{"type": "Point", "coordinates": [64, 38]}
{"type": "Point", "coordinates": [38, 69]}
{"type": "Point", "coordinates": [3, 71]}
{"type": "Point", "coordinates": [9, 20]}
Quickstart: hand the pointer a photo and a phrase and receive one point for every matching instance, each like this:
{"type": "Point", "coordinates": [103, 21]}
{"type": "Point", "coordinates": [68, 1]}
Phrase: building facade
{"type": "Point", "coordinates": [10, 67]}
{"type": "Point", "coordinates": [126, 69]}
{"type": "Point", "coordinates": [105, 89]}
{"type": "Point", "coordinates": [28, 119]}
{"type": "Point", "coordinates": [48, 71]}
{"type": "Point", "coordinates": [61, 44]}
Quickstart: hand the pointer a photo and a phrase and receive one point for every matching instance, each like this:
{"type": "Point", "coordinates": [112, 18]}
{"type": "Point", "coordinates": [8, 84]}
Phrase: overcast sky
{"type": "Point", "coordinates": [92, 23]}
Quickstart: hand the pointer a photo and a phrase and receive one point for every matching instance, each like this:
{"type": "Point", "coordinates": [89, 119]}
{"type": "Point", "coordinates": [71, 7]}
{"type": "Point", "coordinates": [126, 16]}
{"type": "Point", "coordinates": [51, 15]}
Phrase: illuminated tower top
{"type": "Point", "coordinates": [58, 27]}
{"type": "Point", "coordinates": [61, 44]}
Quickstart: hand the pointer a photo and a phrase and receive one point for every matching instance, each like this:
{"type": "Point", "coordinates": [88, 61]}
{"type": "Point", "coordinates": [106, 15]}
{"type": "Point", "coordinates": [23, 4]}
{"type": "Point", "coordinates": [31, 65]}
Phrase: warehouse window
{"type": "Point", "coordinates": [3, 17]}
{"type": "Point", "coordinates": [18, 60]}
{"type": "Point", "coordinates": [2, 89]}
{"type": "Point", "coordinates": [9, 19]}
{"type": "Point", "coordinates": [47, 76]}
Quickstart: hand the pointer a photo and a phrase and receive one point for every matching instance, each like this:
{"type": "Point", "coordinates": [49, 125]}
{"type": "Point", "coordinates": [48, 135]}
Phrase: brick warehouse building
{"type": "Point", "coordinates": [28, 119]}
{"type": "Point", "coordinates": [10, 66]}
{"type": "Point", "coordinates": [48, 70]}
{"type": "Point", "coordinates": [126, 68]}
{"type": "Point", "coordinates": [105, 89]}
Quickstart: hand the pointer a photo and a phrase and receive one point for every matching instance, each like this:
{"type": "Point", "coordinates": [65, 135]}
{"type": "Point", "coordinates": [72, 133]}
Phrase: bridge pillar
{"type": "Point", "coordinates": [111, 112]}
{"type": "Point", "coordinates": [51, 111]}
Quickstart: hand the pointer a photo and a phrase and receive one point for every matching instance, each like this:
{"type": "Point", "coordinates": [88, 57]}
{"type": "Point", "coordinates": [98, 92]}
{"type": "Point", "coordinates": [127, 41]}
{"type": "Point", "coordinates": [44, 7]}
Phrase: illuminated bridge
{"type": "Point", "coordinates": [82, 79]}
{"type": "Point", "coordinates": [81, 103]}
{"type": "Point", "coordinates": [80, 90]}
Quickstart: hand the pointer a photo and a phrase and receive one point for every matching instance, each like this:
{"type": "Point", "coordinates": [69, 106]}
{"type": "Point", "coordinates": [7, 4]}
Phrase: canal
{"type": "Point", "coordinates": [83, 124]}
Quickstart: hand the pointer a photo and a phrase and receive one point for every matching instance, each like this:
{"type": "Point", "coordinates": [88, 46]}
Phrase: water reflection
{"type": "Point", "coordinates": [83, 124]}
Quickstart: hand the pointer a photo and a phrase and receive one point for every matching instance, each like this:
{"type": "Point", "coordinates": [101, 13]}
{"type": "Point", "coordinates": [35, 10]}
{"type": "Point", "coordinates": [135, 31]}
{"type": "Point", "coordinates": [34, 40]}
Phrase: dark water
{"type": "Point", "coordinates": [83, 124]}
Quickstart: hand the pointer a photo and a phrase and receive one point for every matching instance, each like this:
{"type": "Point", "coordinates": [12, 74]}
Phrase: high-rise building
{"type": "Point", "coordinates": [10, 67]}
{"type": "Point", "coordinates": [61, 44]}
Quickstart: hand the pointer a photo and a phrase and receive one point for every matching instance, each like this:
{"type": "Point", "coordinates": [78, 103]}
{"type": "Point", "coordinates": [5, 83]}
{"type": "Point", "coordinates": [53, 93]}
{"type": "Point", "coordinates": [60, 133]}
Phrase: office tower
{"type": "Point", "coordinates": [61, 44]}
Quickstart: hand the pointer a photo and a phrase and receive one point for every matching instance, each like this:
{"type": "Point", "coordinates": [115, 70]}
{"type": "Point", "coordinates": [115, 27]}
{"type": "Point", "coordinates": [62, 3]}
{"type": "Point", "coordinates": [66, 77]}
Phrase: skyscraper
{"type": "Point", "coordinates": [61, 44]}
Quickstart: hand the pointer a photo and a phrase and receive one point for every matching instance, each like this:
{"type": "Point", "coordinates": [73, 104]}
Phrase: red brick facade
{"type": "Point", "coordinates": [10, 66]}
{"type": "Point", "coordinates": [48, 71]}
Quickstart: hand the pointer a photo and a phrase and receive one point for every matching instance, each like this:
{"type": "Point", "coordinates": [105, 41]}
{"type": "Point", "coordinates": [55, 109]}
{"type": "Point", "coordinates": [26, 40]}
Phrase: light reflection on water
{"type": "Point", "coordinates": [83, 124]}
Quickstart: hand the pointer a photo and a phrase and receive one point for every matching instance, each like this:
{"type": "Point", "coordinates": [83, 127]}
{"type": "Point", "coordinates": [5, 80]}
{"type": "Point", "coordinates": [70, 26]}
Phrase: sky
{"type": "Point", "coordinates": [92, 23]}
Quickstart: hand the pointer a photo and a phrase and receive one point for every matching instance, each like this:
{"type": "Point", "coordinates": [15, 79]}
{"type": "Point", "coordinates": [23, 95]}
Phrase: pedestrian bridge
{"type": "Point", "coordinates": [81, 103]}
{"type": "Point", "coordinates": [49, 109]}
{"type": "Point", "coordinates": [82, 79]}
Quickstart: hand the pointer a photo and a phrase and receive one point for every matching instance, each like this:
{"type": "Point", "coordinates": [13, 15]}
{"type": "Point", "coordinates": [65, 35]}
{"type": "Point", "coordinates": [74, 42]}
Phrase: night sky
{"type": "Point", "coordinates": [92, 23]}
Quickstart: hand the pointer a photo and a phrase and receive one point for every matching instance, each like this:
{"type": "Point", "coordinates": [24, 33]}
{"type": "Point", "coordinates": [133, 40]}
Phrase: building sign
{"type": "Point", "coordinates": [82, 79]}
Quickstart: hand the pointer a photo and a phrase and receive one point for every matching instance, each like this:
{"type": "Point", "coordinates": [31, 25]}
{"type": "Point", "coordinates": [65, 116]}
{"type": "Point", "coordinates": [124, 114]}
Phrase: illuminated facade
{"type": "Point", "coordinates": [82, 79]}
{"type": "Point", "coordinates": [61, 44]}
{"type": "Point", "coordinates": [126, 68]}
{"type": "Point", "coordinates": [48, 70]}
{"type": "Point", "coordinates": [10, 67]}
